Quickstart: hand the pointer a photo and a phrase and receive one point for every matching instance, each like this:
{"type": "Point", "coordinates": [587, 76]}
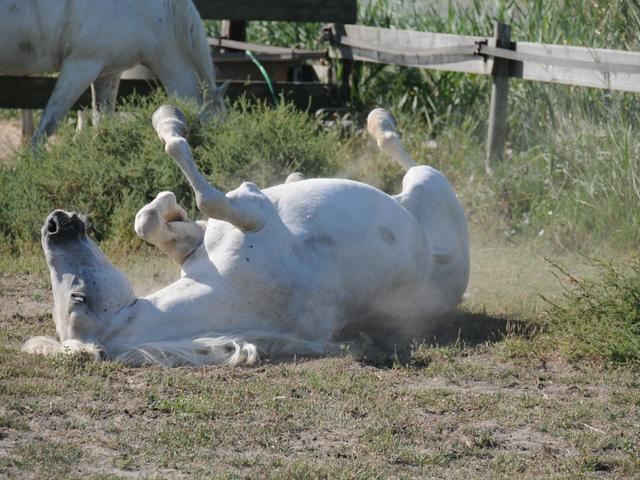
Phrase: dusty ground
{"type": "Point", "coordinates": [484, 410]}
{"type": "Point", "coordinates": [10, 138]}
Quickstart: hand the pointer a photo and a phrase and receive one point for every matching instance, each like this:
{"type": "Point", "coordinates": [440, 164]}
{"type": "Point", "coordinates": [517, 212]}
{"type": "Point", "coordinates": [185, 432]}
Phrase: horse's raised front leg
{"type": "Point", "coordinates": [241, 211]}
{"type": "Point", "coordinates": [165, 224]}
{"type": "Point", "coordinates": [75, 76]}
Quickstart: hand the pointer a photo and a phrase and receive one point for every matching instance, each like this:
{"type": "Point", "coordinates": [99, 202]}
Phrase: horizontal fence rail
{"type": "Point", "coordinates": [497, 56]}
{"type": "Point", "coordinates": [338, 11]}
{"type": "Point", "coordinates": [579, 66]}
{"type": "Point", "coordinates": [281, 53]}
{"type": "Point", "coordinates": [34, 92]}
{"type": "Point", "coordinates": [409, 48]}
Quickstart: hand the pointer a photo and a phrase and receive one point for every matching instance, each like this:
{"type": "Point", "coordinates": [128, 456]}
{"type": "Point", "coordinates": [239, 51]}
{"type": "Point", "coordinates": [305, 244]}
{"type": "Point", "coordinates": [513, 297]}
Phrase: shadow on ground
{"type": "Point", "coordinates": [471, 328]}
{"type": "Point", "coordinates": [459, 328]}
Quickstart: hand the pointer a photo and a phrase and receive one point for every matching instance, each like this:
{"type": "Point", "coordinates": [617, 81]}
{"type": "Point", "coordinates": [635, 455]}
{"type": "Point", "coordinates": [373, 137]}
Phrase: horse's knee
{"type": "Point", "coordinates": [147, 223]}
{"type": "Point", "coordinates": [166, 225]}
{"type": "Point", "coordinates": [210, 203]}
{"type": "Point", "coordinates": [151, 219]}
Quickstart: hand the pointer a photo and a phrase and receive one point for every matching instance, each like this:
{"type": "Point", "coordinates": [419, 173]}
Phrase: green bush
{"type": "Point", "coordinates": [110, 172]}
{"type": "Point", "coordinates": [600, 318]}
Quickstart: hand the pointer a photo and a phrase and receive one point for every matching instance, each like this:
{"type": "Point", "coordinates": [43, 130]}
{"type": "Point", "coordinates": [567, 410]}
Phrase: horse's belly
{"type": "Point", "coordinates": [337, 249]}
{"type": "Point", "coordinates": [28, 37]}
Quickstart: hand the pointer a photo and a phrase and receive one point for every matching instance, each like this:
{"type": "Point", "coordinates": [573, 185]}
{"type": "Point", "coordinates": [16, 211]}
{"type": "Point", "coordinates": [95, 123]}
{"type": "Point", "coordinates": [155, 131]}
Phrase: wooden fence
{"type": "Point", "coordinates": [498, 56]}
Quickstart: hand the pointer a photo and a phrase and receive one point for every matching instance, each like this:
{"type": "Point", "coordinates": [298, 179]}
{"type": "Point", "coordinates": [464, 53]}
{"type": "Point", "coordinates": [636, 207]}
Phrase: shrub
{"type": "Point", "coordinates": [110, 172]}
{"type": "Point", "coordinates": [600, 318]}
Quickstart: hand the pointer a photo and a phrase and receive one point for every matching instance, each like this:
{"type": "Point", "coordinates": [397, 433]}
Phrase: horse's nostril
{"type": "Point", "coordinates": [52, 226]}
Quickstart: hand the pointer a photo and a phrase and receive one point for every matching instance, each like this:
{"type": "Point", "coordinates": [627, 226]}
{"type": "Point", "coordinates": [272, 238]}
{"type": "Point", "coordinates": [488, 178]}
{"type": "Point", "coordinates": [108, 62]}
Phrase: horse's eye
{"type": "Point", "coordinates": [77, 297]}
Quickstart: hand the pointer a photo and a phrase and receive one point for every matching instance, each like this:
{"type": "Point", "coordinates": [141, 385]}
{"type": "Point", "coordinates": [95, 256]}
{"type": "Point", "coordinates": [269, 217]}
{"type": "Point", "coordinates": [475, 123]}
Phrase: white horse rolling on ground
{"type": "Point", "coordinates": [294, 269]}
{"type": "Point", "coordinates": [91, 42]}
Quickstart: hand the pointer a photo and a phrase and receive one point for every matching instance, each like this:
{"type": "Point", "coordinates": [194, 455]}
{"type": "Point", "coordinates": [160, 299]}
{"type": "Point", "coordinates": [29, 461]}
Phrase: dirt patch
{"type": "Point", "coordinates": [531, 441]}
{"type": "Point", "coordinates": [24, 295]}
{"type": "Point", "coordinates": [10, 139]}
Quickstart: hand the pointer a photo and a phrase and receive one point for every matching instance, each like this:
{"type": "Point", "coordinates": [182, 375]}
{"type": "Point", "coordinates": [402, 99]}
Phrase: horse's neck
{"type": "Point", "coordinates": [183, 309]}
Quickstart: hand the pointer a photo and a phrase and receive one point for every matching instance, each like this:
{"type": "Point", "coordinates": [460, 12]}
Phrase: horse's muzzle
{"type": "Point", "coordinates": [61, 225]}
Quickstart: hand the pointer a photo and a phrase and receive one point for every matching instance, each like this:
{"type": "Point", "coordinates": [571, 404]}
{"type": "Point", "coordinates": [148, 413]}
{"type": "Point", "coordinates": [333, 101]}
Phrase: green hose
{"type": "Point", "coordinates": [264, 73]}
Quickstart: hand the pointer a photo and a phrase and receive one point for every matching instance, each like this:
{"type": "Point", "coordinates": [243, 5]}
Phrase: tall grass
{"type": "Point", "coordinates": [437, 98]}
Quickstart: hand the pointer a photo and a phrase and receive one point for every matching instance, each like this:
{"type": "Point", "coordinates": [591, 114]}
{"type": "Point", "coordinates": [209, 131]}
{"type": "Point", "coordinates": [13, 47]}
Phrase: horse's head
{"type": "Point", "coordinates": [87, 289]}
{"type": "Point", "coordinates": [214, 101]}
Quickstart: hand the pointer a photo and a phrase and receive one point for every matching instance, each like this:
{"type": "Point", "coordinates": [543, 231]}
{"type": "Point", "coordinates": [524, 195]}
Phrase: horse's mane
{"type": "Point", "coordinates": [209, 349]}
{"type": "Point", "coordinates": [191, 36]}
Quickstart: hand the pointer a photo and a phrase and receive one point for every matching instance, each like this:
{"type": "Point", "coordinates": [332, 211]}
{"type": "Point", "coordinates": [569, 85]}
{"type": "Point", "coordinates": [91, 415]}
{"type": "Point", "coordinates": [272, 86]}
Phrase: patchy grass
{"type": "Point", "coordinates": [448, 411]}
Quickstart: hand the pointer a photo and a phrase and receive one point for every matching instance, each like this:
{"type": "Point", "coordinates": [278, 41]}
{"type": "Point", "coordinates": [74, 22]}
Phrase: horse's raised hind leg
{"type": "Point", "coordinates": [165, 224]}
{"type": "Point", "coordinates": [383, 128]}
{"type": "Point", "coordinates": [295, 177]}
{"type": "Point", "coordinates": [75, 76]}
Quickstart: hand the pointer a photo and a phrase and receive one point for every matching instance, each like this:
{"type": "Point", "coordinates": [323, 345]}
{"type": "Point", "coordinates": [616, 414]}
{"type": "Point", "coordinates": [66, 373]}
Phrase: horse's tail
{"type": "Point", "coordinates": [192, 39]}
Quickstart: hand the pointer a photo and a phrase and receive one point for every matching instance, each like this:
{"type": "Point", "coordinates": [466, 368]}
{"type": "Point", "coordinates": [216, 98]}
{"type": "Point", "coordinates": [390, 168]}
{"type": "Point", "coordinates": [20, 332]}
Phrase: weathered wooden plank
{"type": "Point", "coordinates": [34, 92]}
{"type": "Point", "coordinates": [270, 53]}
{"type": "Point", "coordinates": [234, 30]}
{"type": "Point", "coordinates": [565, 73]}
{"type": "Point", "coordinates": [337, 11]}
{"type": "Point", "coordinates": [593, 64]}
{"type": "Point", "coordinates": [236, 66]}
{"type": "Point", "coordinates": [231, 66]}
{"type": "Point", "coordinates": [410, 43]}
{"type": "Point", "coordinates": [27, 125]}
{"type": "Point", "coordinates": [408, 57]}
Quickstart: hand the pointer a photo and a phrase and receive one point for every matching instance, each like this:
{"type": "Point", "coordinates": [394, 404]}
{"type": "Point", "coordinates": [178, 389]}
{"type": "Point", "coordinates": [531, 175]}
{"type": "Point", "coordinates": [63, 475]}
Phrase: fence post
{"type": "Point", "coordinates": [27, 125]}
{"type": "Point", "coordinates": [497, 134]}
{"type": "Point", "coordinates": [234, 30]}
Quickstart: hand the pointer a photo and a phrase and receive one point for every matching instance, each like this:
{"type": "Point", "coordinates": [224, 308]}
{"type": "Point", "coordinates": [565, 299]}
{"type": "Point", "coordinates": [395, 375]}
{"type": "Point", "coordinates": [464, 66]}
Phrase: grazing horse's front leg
{"type": "Point", "coordinates": [104, 92]}
{"type": "Point", "coordinates": [165, 224]}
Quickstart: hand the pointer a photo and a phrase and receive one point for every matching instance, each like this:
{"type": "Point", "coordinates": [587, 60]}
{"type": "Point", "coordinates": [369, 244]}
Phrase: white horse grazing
{"type": "Point", "coordinates": [289, 270]}
{"type": "Point", "coordinates": [91, 42]}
